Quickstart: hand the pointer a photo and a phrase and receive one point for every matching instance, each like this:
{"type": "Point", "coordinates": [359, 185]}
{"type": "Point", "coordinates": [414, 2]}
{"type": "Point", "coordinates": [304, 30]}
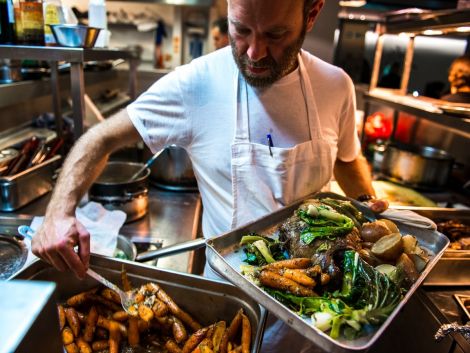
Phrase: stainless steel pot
{"type": "Point", "coordinates": [115, 192]}
{"type": "Point", "coordinates": [172, 170]}
{"type": "Point", "coordinates": [421, 167]}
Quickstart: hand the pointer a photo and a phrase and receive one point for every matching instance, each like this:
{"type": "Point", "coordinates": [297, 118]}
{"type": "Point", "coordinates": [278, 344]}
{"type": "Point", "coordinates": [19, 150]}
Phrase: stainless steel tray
{"type": "Point", "coordinates": [20, 189]}
{"type": "Point", "coordinates": [453, 269]}
{"type": "Point", "coordinates": [225, 256]}
{"type": "Point", "coordinates": [206, 300]}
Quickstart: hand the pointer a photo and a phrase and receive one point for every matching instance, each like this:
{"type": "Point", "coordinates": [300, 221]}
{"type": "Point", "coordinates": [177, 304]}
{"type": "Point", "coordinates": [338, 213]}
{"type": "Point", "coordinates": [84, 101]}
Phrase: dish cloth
{"type": "Point", "coordinates": [409, 218]}
{"type": "Point", "coordinates": [102, 224]}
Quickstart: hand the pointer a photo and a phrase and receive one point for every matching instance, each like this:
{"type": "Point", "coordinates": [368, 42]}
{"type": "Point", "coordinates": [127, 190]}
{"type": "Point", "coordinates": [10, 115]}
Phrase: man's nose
{"type": "Point", "coordinates": [257, 49]}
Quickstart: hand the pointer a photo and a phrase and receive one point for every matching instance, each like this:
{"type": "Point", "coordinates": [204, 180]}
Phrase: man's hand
{"type": "Point", "coordinates": [378, 205]}
{"type": "Point", "coordinates": [55, 240]}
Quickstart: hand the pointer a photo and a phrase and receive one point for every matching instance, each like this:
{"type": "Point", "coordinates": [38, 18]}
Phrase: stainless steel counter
{"type": "Point", "coordinates": [173, 217]}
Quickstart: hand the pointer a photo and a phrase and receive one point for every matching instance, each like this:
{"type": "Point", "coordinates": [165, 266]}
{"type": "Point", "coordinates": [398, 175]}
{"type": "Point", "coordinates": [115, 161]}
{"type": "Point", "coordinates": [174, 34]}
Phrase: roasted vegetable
{"type": "Point", "coordinates": [323, 222]}
{"type": "Point", "coordinates": [262, 250]}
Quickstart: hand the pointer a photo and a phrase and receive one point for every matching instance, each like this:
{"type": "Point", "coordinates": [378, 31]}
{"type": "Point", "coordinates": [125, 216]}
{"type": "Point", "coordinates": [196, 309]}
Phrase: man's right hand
{"type": "Point", "coordinates": [55, 240]}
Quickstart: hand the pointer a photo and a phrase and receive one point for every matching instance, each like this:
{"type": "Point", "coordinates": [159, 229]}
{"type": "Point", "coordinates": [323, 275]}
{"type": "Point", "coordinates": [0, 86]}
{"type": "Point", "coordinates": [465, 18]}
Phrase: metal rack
{"type": "Point", "coordinates": [76, 57]}
{"type": "Point", "coordinates": [413, 24]}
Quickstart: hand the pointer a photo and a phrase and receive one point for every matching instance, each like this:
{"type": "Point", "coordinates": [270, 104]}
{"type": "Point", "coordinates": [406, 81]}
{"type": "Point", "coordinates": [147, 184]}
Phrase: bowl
{"type": "Point", "coordinates": [75, 36]}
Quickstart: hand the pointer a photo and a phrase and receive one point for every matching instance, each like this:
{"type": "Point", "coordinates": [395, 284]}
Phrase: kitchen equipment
{"type": "Point", "coordinates": [76, 36]}
{"type": "Point", "coordinates": [417, 166]}
{"type": "Point", "coordinates": [13, 254]}
{"type": "Point", "coordinates": [127, 298]}
{"type": "Point", "coordinates": [184, 246]}
{"type": "Point", "coordinates": [10, 71]}
{"type": "Point", "coordinates": [225, 256]}
{"type": "Point", "coordinates": [453, 267]}
{"type": "Point", "coordinates": [173, 170]}
{"type": "Point", "coordinates": [464, 303]}
{"type": "Point", "coordinates": [127, 247]}
{"type": "Point", "coordinates": [114, 190]}
{"type": "Point", "coordinates": [22, 188]}
{"type": "Point", "coordinates": [206, 300]}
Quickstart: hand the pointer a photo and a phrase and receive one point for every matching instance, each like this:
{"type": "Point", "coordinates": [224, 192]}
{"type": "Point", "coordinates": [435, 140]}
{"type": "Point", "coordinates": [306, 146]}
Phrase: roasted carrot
{"type": "Point", "coordinates": [83, 346]}
{"type": "Point", "coordinates": [246, 334]}
{"type": "Point", "coordinates": [145, 312]}
{"type": "Point", "coordinates": [172, 347]}
{"type": "Point", "coordinates": [298, 262]}
{"type": "Point", "coordinates": [71, 348]}
{"type": "Point", "coordinates": [299, 276]}
{"type": "Point", "coordinates": [106, 323]}
{"type": "Point", "coordinates": [90, 324]}
{"type": "Point", "coordinates": [231, 331]}
{"type": "Point", "coordinates": [120, 316]}
{"type": "Point", "coordinates": [219, 331]}
{"type": "Point", "coordinates": [133, 336]}
{"type": "Point", "coordinates": [100, 345]}
{"type": "Point", "coordinates": [73, 320]}
{"type": "Point", "coordinates": [194, 340]}
{"type": "Point", "coordinates": [114, 337]}
{"type": "Point", "coordinates": [179, 331]}
{"type": "Point", "coordinates": [204, 347]}
{"type": "Point", "coordinates": [160, 308]}
{"type": "Point", "coordinates": [274, 280]}
{"type": "Point", "coordinates": [111, 295]}
{"type": "Point", "coordinates": [61, 313]}
{"type": "Point", "coordinates": [67, 335]}
{"type": "Point", "coordinates": [126, 283]}
{"type": "Point", "coordinates": [324, 279]}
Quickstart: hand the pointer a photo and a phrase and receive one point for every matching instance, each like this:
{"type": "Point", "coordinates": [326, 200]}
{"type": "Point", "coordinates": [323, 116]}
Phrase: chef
{"type": "Point", "coordinates": [264, 122]}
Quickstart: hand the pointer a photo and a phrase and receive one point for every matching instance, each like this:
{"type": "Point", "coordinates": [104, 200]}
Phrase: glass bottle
{"type": "Point", "coordinates": [7, 22]}
{"type": "Point", "coordinates": [53, 14]}
{"type": "Point", "coordinates": [33, 22]}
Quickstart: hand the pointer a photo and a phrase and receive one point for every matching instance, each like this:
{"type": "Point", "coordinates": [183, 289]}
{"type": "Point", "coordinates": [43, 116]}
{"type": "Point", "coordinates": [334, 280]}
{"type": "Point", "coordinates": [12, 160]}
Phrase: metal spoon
{"type": "Point", "coordinates": [127, 298]}
{"type": "Point", "coordinates": [147, 164]}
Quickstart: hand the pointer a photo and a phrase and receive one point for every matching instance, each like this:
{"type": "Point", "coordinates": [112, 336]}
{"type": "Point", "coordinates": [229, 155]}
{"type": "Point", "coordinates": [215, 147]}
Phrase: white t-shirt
{"type": "Point", "coordinates": [195, 107]}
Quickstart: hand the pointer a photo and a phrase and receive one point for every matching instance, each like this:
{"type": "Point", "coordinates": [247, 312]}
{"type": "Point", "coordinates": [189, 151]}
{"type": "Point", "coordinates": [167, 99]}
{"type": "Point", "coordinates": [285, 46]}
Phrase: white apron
{"type": "Point", "coordinates": [262, 183]}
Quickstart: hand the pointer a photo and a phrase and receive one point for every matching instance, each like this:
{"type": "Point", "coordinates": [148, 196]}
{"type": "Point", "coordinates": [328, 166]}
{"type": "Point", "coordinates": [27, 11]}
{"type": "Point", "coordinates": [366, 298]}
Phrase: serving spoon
{"type": "Point", "coordinates": [127, 298]}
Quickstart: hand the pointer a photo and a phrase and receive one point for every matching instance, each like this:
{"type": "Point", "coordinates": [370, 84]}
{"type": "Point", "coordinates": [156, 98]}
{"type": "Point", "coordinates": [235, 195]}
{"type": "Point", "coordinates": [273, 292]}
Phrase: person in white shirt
{"type": "Point", "coordinates": [221, 109]}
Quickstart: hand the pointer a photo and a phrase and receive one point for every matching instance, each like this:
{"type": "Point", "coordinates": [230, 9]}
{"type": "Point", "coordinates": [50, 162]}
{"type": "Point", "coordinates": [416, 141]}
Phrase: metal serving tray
{"type": "Point", "coordinates": [22, 188]}
{"type": "Point", "coordinates": [453, 269]}
{"type": "Point", "coordinates": [206, 300]}
{"type": "Point", "coordinates": [225, 256]}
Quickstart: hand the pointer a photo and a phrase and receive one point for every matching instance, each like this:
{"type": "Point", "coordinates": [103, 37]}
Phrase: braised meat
{"type": "Point", "coordinates": [325, 252]}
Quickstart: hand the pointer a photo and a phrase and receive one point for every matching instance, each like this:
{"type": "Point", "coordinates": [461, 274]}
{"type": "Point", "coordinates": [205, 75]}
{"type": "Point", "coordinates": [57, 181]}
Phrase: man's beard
{"type": "Point", "coordinates": [276, 69]}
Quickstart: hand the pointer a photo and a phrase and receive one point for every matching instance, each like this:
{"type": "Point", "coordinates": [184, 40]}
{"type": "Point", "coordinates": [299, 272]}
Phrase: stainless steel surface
{"type": "Point", "coordinates": [206, 300]}
{"type": "Point", "coordinates": [417, 166]}
{"type": "Point", "coordinates": [13, 254]}
{"type": "Point", "coordinates": [20, 189]}
{"type": "Point", "coordinates": [10, 71]}
{"type": "Point", "coordinates": [28, 322]}
{"type": "Point", "coordinates": [173, 170]}
{"type": "Point", "coordinates": [224, 256]}
{"type": "Point", "coordinates": [75, 36]}
{"type": "Point", "coordinates": [172, 249]}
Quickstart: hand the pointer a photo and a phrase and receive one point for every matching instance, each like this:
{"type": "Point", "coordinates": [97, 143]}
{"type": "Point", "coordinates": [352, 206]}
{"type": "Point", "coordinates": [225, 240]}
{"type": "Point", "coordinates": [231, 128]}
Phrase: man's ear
{"type": "Point", "coordinates": [313, 14]}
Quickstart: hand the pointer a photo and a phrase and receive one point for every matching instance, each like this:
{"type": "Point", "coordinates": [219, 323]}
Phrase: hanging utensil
{"type": "Point", "coordinates": [147, 164]}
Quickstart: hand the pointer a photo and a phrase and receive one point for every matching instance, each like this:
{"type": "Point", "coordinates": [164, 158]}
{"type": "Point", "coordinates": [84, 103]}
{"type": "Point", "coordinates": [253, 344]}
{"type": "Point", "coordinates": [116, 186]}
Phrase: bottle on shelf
{"type": "Point", "coordinates": [97, 18]}
{"type": "Point", "coordinates": [18, 22]}
{"type": "Point", "coordinates": [53, 14]}
{"type": "Point", "coordinates": [7, 22]}
{"type": "Point", "coordinates": [32, 21]}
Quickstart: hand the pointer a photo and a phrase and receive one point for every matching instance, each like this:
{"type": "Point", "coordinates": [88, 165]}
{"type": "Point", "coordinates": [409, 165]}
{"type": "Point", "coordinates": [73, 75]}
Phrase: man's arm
{"type": "Point", "coordinates": [355, 179]}
{"type": "Point", "coordinates": [60, 231]}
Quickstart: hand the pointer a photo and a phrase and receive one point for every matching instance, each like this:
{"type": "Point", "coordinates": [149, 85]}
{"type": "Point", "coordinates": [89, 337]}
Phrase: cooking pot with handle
{"type": "Point", "coordinates": [115, 191]}
{"type": "Point", "coordinates": [422, 167]}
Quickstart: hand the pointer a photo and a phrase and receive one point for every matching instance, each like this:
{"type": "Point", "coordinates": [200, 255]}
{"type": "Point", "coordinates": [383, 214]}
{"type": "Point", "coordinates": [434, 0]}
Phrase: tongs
{"type": "Point", "coordinates": [127, 298]}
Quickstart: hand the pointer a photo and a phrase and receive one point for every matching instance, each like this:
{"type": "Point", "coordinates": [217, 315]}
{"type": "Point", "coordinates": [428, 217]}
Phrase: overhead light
{"type": "Point", "coordinates": [352, 3]}
{"type": "Point", "coordinates": [432, 32]}
{"type": "Point", "coordinates": [462, 29]}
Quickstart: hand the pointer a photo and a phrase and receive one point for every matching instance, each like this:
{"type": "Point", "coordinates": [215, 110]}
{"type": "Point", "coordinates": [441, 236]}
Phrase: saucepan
{"type": "Point", "coordinates": [423, 167]}
{"type": "Point", "coordinates": [116, 190]}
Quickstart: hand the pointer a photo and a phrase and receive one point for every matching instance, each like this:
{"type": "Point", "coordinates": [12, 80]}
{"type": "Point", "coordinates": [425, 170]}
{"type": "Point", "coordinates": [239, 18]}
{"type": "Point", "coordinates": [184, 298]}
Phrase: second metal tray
{"type": "Point", "coordinates": [225, 256]}
{"type": "Point", "coordinates": [206, 300]}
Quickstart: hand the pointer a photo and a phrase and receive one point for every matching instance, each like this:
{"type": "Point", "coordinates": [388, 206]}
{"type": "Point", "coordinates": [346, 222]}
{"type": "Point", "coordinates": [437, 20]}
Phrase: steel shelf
{"type": "Point", "coordinates": [76, 57]}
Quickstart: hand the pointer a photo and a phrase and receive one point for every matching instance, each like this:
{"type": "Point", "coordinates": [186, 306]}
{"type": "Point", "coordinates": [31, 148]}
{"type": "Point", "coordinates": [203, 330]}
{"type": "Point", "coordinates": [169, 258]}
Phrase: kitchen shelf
{"type": "Point", "coordinates": [417, 107]}
{"type": "Point", "coordinates": [76, 57]}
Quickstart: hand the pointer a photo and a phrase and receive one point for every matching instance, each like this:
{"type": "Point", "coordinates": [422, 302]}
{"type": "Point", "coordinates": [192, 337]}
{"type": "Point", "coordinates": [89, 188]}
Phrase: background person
{"type": "Point", "coordinates": [459, 80]}
{"type": "Point", "coordinates": [219, 33]}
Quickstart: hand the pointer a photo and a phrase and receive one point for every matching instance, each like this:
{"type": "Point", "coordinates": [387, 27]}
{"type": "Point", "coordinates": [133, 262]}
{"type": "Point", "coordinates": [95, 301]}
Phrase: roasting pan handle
{"type": "Point", "coordinates": [189, 245]}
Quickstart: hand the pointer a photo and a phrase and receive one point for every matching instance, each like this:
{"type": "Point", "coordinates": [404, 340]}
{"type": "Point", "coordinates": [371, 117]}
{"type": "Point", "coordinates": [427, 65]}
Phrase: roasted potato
{"type": "Point", "coordinates": [373, 231]}
{"type": "Point", "coordinates": [405, 264]}
{"type": "Point", "coordinates": [389, 247]}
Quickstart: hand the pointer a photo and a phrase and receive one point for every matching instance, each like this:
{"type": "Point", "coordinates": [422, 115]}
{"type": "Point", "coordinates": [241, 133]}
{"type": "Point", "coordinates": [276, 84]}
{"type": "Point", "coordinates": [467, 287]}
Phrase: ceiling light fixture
{"type": "Point", "coordinates": [352, 3]}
